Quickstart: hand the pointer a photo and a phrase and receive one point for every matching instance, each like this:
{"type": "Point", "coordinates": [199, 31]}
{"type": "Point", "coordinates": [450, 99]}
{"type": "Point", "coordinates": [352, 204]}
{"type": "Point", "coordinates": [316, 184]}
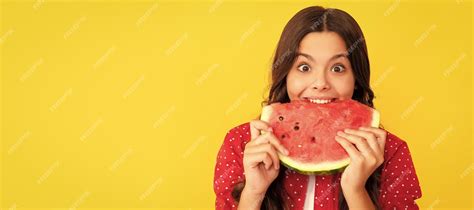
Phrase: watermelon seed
{"type": "Point", "coordinates": [296, 128]}
{"type": "Point", "coordinates": [313, 139]}
{"type": "Point", "coordinates": [283, 136]}
{"type": "Point", "coordinates": [281, 118]}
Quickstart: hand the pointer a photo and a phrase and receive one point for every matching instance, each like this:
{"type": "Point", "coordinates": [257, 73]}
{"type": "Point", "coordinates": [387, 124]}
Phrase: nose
{"type": "Point", "coordinates": [320, 81]}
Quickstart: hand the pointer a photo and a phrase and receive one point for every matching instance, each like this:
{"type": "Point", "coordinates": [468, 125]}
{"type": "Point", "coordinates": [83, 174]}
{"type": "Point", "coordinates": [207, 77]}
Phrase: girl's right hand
{"type": "Point", "coordinates": [261, 162]}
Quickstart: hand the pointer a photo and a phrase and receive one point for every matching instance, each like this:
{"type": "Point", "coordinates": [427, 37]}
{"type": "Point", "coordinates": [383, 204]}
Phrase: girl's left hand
{"type": "Point", "coordinates": [365, 147]}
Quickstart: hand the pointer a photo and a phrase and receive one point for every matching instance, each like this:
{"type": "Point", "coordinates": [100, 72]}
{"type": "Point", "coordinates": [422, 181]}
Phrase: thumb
{"type": "Point", "coordinates": [258, 125]}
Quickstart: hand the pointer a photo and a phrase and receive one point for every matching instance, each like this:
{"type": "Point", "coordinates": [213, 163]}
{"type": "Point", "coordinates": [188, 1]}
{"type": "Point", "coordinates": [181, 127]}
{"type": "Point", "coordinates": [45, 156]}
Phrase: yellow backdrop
{"type": "Point", "coordinates": [123, 104]}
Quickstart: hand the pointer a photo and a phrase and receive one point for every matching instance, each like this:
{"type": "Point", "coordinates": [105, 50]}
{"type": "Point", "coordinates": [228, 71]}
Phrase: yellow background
{"type": "Point", "coordinates": [125, 104]}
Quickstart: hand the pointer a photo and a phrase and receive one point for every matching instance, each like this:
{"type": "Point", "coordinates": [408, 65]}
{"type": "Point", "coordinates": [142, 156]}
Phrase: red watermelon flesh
{"type": "Point", "coordinates": [308, 131]}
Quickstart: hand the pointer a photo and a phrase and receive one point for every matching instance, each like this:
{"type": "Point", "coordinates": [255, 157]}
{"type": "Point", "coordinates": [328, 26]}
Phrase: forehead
{"type": "Point", "coordinates": [322, 45]}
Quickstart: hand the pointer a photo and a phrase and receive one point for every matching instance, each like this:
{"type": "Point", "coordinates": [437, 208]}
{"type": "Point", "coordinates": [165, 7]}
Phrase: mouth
{"type": "Point", "coordinates": [320, 100]}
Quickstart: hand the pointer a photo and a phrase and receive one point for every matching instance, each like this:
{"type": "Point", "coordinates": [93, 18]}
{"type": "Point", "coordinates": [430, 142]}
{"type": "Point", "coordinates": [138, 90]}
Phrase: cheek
{"type": "Point", "coordinates": [294, 86]}
{"type": "Point", "coordinates": [345, 86]}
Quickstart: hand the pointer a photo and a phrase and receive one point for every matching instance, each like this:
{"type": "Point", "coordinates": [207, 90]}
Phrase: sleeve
{"type": "Point", "coordinates": [228, 170]}
{"type": "Point", "coordinates": [399, 184]}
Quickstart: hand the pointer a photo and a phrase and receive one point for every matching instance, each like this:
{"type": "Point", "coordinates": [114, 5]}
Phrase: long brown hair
{"type": "Point", "coordinates": [317, 19]}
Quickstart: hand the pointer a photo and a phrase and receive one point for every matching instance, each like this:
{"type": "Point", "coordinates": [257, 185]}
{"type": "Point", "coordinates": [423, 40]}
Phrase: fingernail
{"type": "Point", "coordinates": [270, 129]}
{"type": "Point", "coordinates": [339, 133]}
{"type": "Point", "coordinates": [286, 151]}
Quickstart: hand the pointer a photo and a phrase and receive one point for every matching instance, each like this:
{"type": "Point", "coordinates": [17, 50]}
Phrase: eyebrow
{"type": "Point", "coordinates": [312, 59]}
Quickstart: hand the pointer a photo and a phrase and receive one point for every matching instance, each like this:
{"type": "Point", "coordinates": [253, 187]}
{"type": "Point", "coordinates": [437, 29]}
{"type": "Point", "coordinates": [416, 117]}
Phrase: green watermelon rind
{"type": "Point", "coordinates": [326, 172]}
{"type": "Point", "coordinates": [320, 168]}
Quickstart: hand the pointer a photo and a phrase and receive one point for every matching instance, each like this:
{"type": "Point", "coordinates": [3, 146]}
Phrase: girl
{"type": "Point", "coordinates": [321, 55]}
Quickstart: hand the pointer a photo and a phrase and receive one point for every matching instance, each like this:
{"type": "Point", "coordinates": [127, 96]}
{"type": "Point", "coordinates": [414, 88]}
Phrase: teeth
{"type": "Point", "coordinates": [319, 101]}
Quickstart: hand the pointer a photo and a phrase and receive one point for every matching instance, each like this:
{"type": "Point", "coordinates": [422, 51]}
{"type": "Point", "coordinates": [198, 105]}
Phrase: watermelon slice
{"type": "Point", "coordinates": [308, 131]}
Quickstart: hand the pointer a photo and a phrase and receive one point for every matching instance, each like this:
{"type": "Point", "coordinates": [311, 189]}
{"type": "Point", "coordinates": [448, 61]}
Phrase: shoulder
{"type": "Point", "coordinates": [398, 162]}
{"type": "Point", "coordinates": [399, 185]}
{"type": "Point", "coordinates": [236, 138]}
{"type": "Point", "coordinates": [395, 146]}
{"type": "Point", "coordinates": [238, 134]}
{"type": "Point", "coordinates": [240, 131]}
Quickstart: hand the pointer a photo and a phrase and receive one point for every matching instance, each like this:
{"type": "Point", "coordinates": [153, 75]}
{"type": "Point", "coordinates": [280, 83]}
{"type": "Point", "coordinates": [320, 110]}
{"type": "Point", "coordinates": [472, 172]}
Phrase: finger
{"type": "Point", "coordinates": [359, 142]}
{"type": "Point", "coordinates": [253, 160]}
{"type": "Point", "coordinates": [262, 139]}
{"type": "Point", "coordinates": [266, 148]}
{"type": "Point", "coordinates": [276, 143]}
{"type": "Point", "coordinates": [269, 137]}
{"type": "Point", "coordinates": [256, 126]}
{"type": "Point", "coordinates": [369, 137]}
{"type": "Point", "coordinates": [380, 133]}
{"type": "Point", "coordinates": [349, 147]}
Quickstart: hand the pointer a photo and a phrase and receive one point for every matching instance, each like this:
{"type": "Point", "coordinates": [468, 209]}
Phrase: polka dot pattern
{"type": "Point", "coordinates": [399, 183]}
{"type": "Point", "coordinates": [399, 187]}
{"type": "Point", "coordinates": [228, 170]}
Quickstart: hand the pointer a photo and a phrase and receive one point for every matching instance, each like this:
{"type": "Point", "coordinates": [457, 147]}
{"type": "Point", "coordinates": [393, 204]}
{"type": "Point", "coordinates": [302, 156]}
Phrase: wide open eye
{"type": "Point", "coordinates": [304, 68]}
{"type": "Point", "coordinates": [338, 68]}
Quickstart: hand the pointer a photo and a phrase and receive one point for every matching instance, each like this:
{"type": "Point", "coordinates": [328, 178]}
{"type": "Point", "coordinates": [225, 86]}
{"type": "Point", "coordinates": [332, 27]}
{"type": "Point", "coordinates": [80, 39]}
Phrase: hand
{"type": "Point", "coordinates": [261, 162]}
{"type": "Point", "coordinates": [365, 147]}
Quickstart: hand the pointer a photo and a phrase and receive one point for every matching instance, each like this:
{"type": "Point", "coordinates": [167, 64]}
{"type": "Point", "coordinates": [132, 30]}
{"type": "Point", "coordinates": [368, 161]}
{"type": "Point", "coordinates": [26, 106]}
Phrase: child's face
{"type": "Point", "coordinates": [321, 69]}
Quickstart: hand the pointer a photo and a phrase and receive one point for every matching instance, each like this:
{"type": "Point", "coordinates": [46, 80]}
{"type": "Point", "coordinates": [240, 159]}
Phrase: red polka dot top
{"type": "Point", "coordinates": [399, 185]}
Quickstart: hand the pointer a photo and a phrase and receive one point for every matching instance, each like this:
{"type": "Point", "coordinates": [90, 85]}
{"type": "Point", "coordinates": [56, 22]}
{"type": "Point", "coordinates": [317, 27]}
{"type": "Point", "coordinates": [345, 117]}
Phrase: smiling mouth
{"type": "Point", "coordinates": [320, 101]}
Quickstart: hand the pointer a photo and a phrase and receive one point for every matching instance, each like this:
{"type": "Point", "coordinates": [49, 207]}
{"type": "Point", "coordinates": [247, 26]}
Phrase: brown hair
{"type": "Point", "coordinates": [318, 19]}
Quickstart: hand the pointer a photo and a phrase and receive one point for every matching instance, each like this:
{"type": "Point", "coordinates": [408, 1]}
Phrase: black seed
{"type": "Point", "coordinates": [283, 136]}
{"type": "Point", "coordinates": [313, 139]}
{"type": "Point", "coordinates": [281, 118]}
{"type": "Point", "coordinates": [296, 127]}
